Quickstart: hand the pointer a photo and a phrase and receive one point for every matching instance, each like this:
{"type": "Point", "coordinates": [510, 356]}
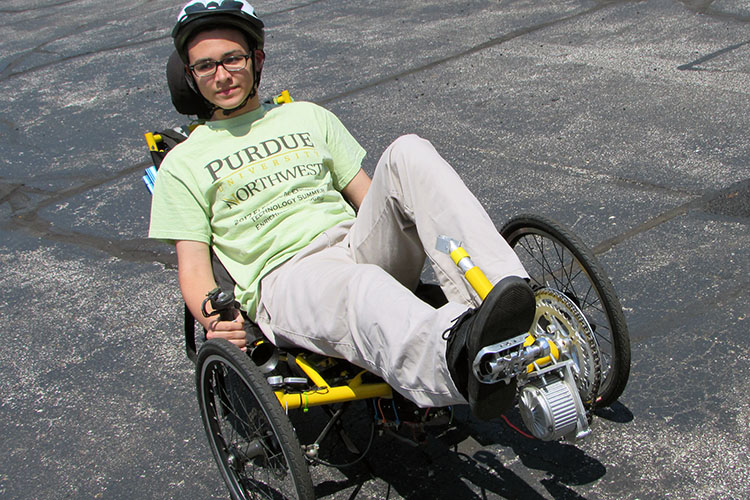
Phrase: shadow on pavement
{"type": "Point", "coordinates": [460, 459]}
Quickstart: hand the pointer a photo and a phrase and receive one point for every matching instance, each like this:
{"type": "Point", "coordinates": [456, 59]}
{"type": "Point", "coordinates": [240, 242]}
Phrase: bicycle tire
{"type": "Point", "coordinates": [251, 438]}
{"type": "Point", "coordinates": [542, 243]}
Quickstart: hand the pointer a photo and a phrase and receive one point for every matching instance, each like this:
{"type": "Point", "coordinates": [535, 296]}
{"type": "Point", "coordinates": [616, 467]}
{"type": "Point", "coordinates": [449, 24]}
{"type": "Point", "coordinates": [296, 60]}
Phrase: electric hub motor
{"type": "Point", "coordinates": [552, 395]}
{"type": "Point", "coordinates": [551, 410]}
{"type": "Point", "coordinates": [557, 366]}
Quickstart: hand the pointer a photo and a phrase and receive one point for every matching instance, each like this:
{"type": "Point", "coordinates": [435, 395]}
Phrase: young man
{"type": "Point", "coordinates": [271, 190]}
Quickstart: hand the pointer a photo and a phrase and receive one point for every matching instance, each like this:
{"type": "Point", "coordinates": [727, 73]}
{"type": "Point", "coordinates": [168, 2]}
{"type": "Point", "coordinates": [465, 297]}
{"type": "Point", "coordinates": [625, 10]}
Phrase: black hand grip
{"type": "Point", "coordinates": [222, 304]}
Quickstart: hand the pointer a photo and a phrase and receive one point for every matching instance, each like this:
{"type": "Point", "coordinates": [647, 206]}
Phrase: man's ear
{"type": "Point", "coordinates": [260, 57]}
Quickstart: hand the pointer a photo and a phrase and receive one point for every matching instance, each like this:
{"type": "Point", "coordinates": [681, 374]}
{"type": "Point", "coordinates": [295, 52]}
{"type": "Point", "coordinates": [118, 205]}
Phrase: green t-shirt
{"type": "Point", "coordinates": [257, 187]}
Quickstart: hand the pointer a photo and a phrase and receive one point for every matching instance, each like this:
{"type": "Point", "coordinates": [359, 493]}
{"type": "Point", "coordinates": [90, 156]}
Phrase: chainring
{"type": "Point", "coordinates": [560, 320]}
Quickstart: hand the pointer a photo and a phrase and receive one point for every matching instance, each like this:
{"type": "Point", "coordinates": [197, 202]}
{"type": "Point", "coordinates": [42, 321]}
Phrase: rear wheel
{"type": "Point", "coordinates": [555, 258]}
{"type": "Point", "coordinates": [250, 436]}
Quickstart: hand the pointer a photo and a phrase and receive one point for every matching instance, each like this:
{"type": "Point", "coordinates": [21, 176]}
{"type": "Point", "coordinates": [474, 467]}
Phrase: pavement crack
{"type": "Point", "coordinates": [17, 195]}
{"type": "Point", "coordinates": [690, 311]}
{"type": "Point", "coordinates": [10, 71]}
{"type": "Point", "coordinates": [695, 65]}
{"type": "Point", "coordinates": [705, 201]}
{"type": "Point", "coordinates": [707, 8]}
{"type": "Point", "coordinates": [493, 42]}
{"type": "Point", "coordinates": [112, 48]}
{"type": "Point", "coordinates": [134, 250]}
{"type": "Point", "coordinates": [57, 196]}
{"type": "Point", "coordinates": [290, 9]}
{"type": "Point", "coordinates": [25, 216]}
{"type": "Point", "coordinates": [12, 10]}
{"type": "Point", "coordinates": [652, 186]}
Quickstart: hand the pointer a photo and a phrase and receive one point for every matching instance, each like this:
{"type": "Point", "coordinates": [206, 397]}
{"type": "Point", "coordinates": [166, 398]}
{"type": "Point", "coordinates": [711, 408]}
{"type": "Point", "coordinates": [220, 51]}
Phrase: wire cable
{"type": "Point", "coordinates": [516, 428]}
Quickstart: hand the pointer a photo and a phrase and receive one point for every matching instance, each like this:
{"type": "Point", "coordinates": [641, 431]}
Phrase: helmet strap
{"type": "Point", "coordinates": [190, 79]}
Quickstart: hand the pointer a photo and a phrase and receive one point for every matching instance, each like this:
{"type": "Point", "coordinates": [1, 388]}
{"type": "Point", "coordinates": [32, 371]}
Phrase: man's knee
{"type": "Point", "coordinates": [414, 153]}
{"type": "Point", "coordinates": [411, 145]}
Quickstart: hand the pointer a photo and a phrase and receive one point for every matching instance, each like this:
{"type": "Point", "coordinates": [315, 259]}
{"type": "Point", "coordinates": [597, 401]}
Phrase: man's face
{"type": "Point", "coordinates": [225, 89]}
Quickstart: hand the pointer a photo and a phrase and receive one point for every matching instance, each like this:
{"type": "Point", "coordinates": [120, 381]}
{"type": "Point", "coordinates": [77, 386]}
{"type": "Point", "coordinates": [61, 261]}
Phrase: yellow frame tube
{"type": "Point", "coordinates": [474, 275]}
{"type": "Point", "coordinates": [151, 140]}
{"type": "Point", "coordinates": [325, 394]}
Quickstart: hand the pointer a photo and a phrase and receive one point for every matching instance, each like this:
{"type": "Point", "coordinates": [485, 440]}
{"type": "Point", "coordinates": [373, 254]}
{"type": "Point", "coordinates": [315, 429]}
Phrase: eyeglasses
{"type": "Point", "coordinates": [230, 63]}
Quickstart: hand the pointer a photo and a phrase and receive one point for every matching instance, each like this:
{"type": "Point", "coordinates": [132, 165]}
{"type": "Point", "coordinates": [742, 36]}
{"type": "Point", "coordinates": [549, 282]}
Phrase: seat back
{"type": "Point", "coordinates": [186, 100]}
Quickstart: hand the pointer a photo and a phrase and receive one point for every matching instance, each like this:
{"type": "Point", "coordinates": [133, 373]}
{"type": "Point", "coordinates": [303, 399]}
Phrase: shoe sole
{"type": "Point", "coordinates": [507, 311]}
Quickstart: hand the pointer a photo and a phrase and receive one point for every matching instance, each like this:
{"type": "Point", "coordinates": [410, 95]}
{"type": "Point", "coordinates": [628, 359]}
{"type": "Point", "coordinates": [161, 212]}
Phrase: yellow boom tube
{"type": "Point", "coordinates": [325, 394]}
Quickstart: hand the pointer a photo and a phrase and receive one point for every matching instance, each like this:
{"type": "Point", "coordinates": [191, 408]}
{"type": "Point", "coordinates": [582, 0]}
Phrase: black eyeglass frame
{"type": "Point", "coordinates": [219, 63]}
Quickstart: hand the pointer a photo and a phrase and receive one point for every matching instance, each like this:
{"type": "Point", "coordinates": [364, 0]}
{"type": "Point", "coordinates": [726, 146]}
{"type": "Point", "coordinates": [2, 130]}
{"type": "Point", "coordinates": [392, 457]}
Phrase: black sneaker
{"type": "Point", "coordinates": [507, 311]}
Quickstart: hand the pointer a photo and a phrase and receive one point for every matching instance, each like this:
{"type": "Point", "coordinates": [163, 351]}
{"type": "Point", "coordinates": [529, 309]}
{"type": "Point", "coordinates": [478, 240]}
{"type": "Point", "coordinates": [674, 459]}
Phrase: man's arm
{"type": "Point", "coordinates": [196, 280]}
{"type": "Point", "coordinates": [357, 188]}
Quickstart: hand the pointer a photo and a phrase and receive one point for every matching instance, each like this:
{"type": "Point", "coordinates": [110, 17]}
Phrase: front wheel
{"type": "Point", "coordinates": [556, 258]}
{"type": "Point", "coordinates": [251, 438]}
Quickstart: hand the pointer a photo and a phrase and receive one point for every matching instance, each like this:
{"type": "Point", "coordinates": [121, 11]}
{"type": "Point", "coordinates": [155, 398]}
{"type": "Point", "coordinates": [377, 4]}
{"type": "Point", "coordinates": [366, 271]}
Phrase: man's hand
{"type": "Point", "coordinates": [233, 331]}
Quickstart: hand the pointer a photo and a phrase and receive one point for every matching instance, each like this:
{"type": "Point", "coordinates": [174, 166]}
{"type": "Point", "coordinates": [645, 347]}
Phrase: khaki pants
{"type": "Point", "coordinates": [349, 292]}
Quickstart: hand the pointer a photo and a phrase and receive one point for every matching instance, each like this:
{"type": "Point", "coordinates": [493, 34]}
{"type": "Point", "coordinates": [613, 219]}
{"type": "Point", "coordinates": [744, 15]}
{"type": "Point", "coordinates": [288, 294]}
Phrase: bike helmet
{"type": "Point", "coordinates": [200, 15]}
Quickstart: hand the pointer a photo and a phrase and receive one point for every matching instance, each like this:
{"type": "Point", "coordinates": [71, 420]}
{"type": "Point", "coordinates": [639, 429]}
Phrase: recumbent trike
{"type": "Point", "coordinates": [575, 358]}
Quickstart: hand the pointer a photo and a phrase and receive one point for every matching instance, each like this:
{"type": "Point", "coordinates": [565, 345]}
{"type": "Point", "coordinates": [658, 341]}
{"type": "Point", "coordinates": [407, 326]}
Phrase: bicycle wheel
{"type": "Point", "coordinates": [555, 258]}
{"type": "Point", "coordinates": [250, 436]}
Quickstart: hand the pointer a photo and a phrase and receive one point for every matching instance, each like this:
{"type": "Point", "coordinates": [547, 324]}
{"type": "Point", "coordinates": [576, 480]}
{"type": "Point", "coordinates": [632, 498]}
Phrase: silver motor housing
{"type": "Point", "coordinates": [551, 407]}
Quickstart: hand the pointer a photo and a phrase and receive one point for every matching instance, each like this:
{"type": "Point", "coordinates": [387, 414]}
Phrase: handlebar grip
{"type": "Point", "coordinates": [226, 315]}
{"type": "Point", "coordinates": [223, 303]}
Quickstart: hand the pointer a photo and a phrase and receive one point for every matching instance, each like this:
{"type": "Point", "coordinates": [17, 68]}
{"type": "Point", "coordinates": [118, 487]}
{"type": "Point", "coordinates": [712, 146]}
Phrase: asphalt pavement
{"type": "Point", "coordinates": [625, 120]}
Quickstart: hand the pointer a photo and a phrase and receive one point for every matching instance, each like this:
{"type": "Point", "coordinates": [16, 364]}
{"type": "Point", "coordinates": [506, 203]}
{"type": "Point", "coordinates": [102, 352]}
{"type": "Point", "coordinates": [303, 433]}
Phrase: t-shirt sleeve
{"type": "Point", "coordinates": [177, 211]}
{"type": "Point", "coordinates": [346, 152]}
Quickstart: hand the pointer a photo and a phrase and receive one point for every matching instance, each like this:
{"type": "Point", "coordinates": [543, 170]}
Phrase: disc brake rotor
{"type": "Point", "coordinates": [557, 317]}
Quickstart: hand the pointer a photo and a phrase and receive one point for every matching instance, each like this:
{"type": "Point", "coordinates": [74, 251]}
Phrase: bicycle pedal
{"type": "Point", "coordinates": [496, 362]}
{"type": "Point", "coordinates": [500, 348]}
